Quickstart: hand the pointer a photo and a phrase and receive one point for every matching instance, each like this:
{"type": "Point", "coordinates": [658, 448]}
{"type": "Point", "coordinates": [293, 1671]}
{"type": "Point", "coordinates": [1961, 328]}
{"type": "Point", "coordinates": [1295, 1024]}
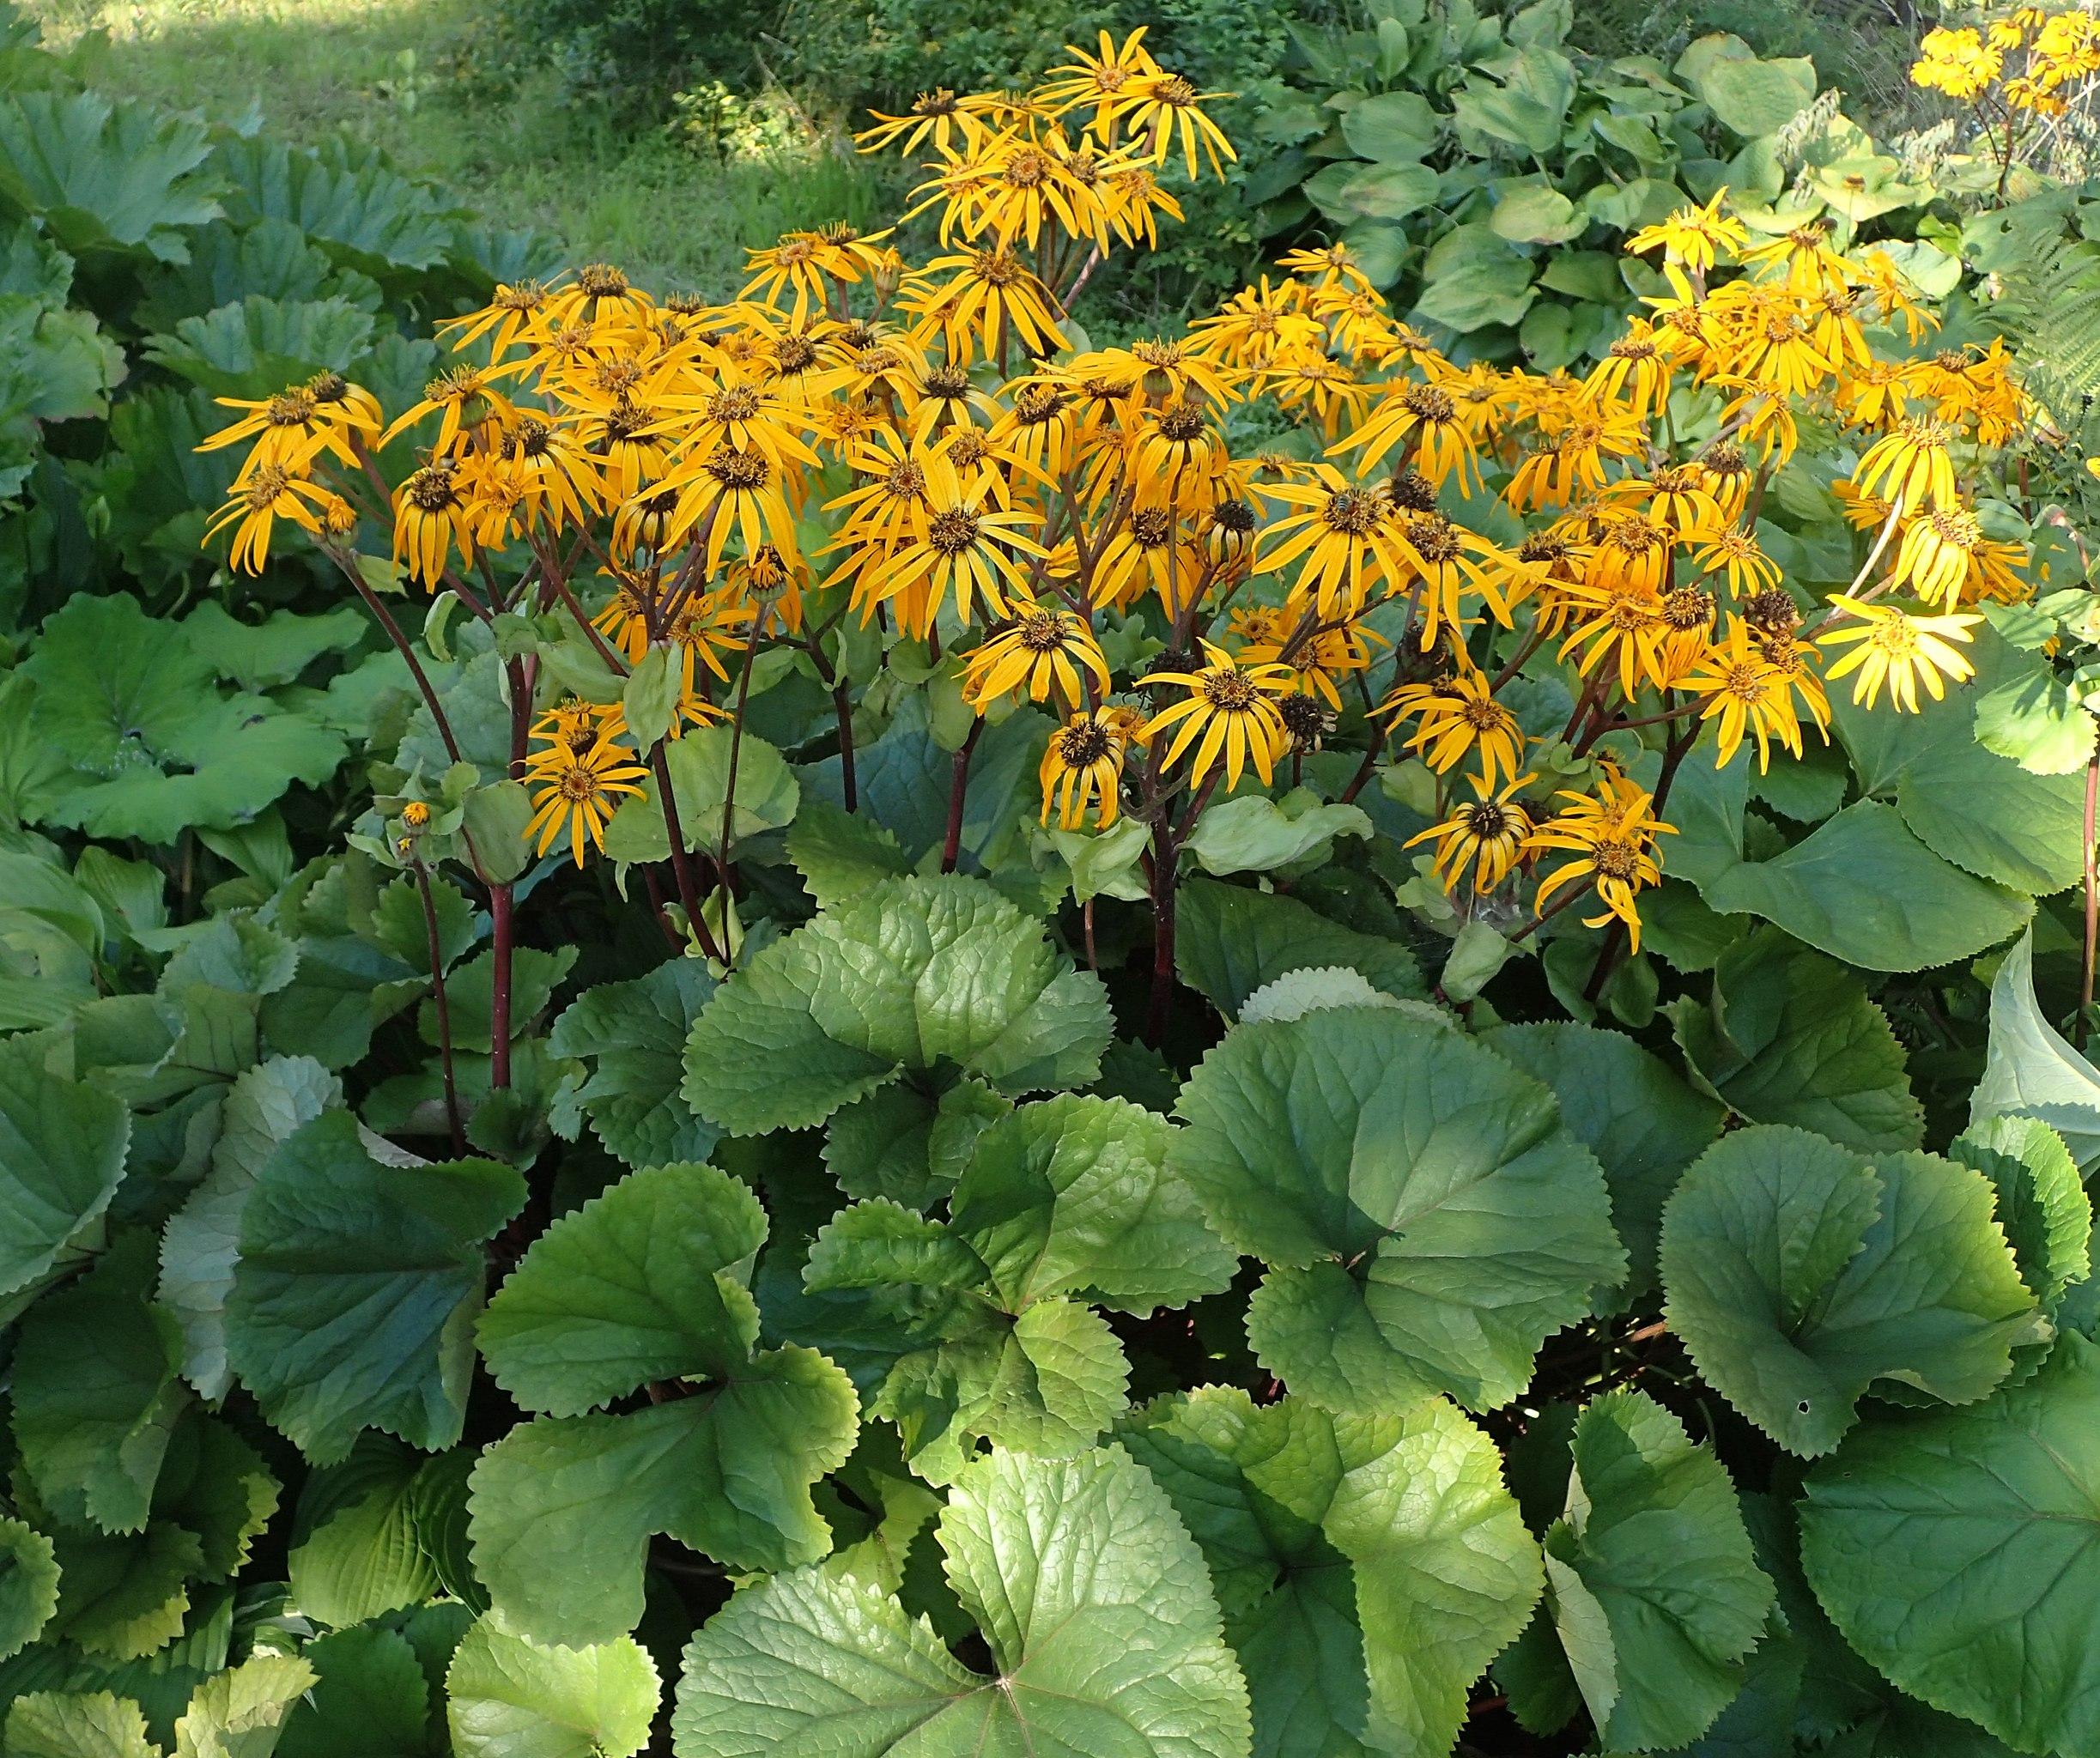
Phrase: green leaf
{"type": "Point", "coordinates": [649, 700]}
{"type": "Point", "coordinates": [766, 795]}
{"type": "Point", "coordinates": [510, 1698]}
{"type": "Point", "coordinates": [356, 1552]}
{"type": "Point", "coordinates": [103, 179]}
{"type": "Point", "coordinates": [76, 1724]}
{"type": "Point", "coordinates": [2032, 719]}
{"type": "Point", "coordinates": [633, 1036]}
{"type": "Point", "coordinates": [1369, 1567]}
{"type": "Point", "coordinates": [372, 1697]}
{"type": "Point", "coordinates": [840, 853]}
{"type": "Point", "coordinates": [157, 748]}
{"type": "Point", "coordinates": [62, 1153]}
{"type": "Point", "coordinates": [28, 1587]}
{"type": "Point", "coordinates": [345, 198]}
{"type": "Point", "coordinates": [2030, 1069]}
{"type": "Point", "coordinates": [1536, 213]}
{"type": "Point", "coordinates": [264, 1107]}
{"type": "Point", "coordinates": [1256, 834]}
{"type": "Point", "coordinates": [1076, 1196]}
{"type": "Point", "coordinates": [646, 1282]}
{"type": "Point", "coordinates": [1643, 1124]}
{"type": "Point", "coordinates": [239, 1713]}
{"type": "Point", "coordinates": [1093, 1600]}
{"type": "Point", "coordinates": [903, 1142]}
{"type": "Point", "coordinates": [1789, 1037]}
{"type": "Point", "coordinates": [1862, 888]}
{"type": "Point", "coordinates": [96, 1392]}
{"type": "Point", "coordinates": [2041, 1203]}
{"type": "Point", "coordinates": [1799, 1274]}
{"type": "Point", "coordinates": [1427, 1220]}
{"type": "Point", "coordinates": [913, 973]}
{"type": "Point", "coordinates": [1650, 1578]}
{"type": "Point", "coordinates": [1296, 993]}
{"type": "Point", "coordinates": [1749, 96]}
{"type": "Point", "coordinates": [1960, 1553]}
{"type": "Point", "coordinates": [1473, 278]}
{"type": "Point", "coordinates": [356, 1291]}
{"type": "Point", "coordinates": [256, 346]}
{"type": "Point", "coordinates": [1230, 941]}
{"type": "Point", "coordinates": [1392, 128]}
{"type": "Point", "coordinates": [562, 1508]}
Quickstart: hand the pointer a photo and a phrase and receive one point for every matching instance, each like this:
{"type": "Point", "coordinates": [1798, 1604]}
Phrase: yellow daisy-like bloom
{"type": "Point", "coordinates": [579, 794]}
{"type": "Point", "coordinates": [1082, 768]}
{"type": "Point", "coordinates": [1443, 442]}
{"type": "Point", "coordinates": [1944, 554]}
{"type": "Point", "coordinates": [1910, 466]}
{"type": "Point", "coordinates": [1736, 557]}
{"type": "Point", "coordinates": [1164, 108]}
{"type": "Point", "coordinates": [1326, 265]}
{"type": "Point", "coordinates": [295, 426]}
{"type": "Point", "coordinates": [1744, 693]}
{"type": "Point", "coordinates": [1900, 649]}
{"type": "Point", "coordinates": [1634, 370]}
{"type": "Point", "coordinates": [1320, 661]}
{"type": "Point", "coordinates": [1232, 709]}
{"type": "Point", "coordinates": [965, 548]}
{"type": "Point", "coordinates": [469, 399]}
{"type": "Point", "coordinates": [1453, 719]}
{"type": "Point", "coordinates": [430, 517]}
{"type": "Point", "coordinates": [1612, 836]}
{"type": "Point", "coordinates": [1101, 80]}
{"type": "Point", "coordinates": [1347, 536]}
{"type": "Point", "coordinates": [511, 314]}
{"type": "Point", "coordinates": [254, 505]}
{"type": "Point", "coordinates": [1487, 834]}
{"type": "Point", "coordinates": [990, 299]}
{"type": "Point", "coordinates": [1957, 62]}
{"type": "Point", "coordinates": [1044, 648]}
{"type": "Point", "coordinates": [939, 116]}
{"type": "Point", "coordinates": [1692, 237]}
{"type": "Point", "coordinates": [1457, 566]}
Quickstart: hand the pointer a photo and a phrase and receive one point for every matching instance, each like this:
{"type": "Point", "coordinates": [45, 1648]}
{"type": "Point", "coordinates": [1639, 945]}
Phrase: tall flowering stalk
{"type": "Point", "coordinates": [861, 442]}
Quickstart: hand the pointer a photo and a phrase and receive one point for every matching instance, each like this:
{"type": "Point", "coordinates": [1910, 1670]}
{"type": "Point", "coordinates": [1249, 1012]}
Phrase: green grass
{"type": "Point", "coordinates": [410, 76]}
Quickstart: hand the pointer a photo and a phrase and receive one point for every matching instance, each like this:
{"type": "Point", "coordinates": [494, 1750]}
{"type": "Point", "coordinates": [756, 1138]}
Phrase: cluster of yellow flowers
{"type": "Point", "coordinates": [2061, 51]}
{"type": "Point", "coordinates": [919, 448]}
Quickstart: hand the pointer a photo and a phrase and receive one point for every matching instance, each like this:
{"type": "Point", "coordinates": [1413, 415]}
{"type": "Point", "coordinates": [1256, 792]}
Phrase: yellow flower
{"type": "Point", "coordinates": [989, 299]}
{"type": "Point", "coordinates": [324, 415]}
{"type": "Point", "coordinates": [1944, 554]}
{"type": "Point", "coordinates": [1692, 236]}
{"type": "Point", "coordinates": [1898, 648]}
{"type": "Point", "coordinates": [1957, 62]}
{"type": "Point", "coordinates": [1348, 537]}
{"type": "Point", "coordinates": [1613, 838]}
{"type": "Point", "coordinates": [1443, 444]}
{"type": "Point", "coordinates": [1744, 693]}
{"type": "Point", "coordinates": [1098, 79]}
{"type": "Point", "coordinates": [1233, 709]}
{"type": "Point", "coordinates": [1453, 719]}
{"type": "Point", "coordinates": [578, 793]}
{"type": "Point", "coordinates": [1487, 834]}
{"type": "Point", "coordinates": [1043, 647]}
{"type": "Point", "coordinates": [1164, 106]}
{"type": "Point", "coordinates": [1909, 466]}
{"type": "Point", "coordinates": [430, 517]}
{"type": "Point", "coordinates": [938, 115]}
{"type": "Point", "coordinates": [254, 505]}
{"type": "Point", "coordinates": [513, 313]}
{"type": "Point", "coordinates": [1082, 767]}
{"type": "Point", "coordinates": [963, 550]}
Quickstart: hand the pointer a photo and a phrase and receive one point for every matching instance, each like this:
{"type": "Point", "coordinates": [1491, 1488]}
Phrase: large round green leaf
{"type": "Point", "coordinates": [1650, 1578]}
{"type": "Point", "coordinates": [911, 973]}
{"type": "Point", "coordinates": [509, 1698]}
{"type": "Point", "coordinates": [1369, 1567]}
{"type": "Point", "coordinates": [1798, 1274]}
{"type": "Point", "coordinates": [1091, 1596]}
{"type": "Point", "coordinates": [1960, 1553]}
{"type": "Point", "coordinates": [1427, 1219]}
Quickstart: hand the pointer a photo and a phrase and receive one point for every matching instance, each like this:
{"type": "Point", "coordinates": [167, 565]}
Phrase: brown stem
{"type": "Point", "coordinates": [500, 989]}
{"type": "Point", "coordinates": [843, 708]}
{"type": "Point", "coordinates": [735, 751]}
{"type": "Point", "coordinates": [958, 793]}
{"type": "Point", "coordinates": [407, 653]}
{"type": "Point", "coordinates": [681, 857]}
{"type": "Point", "coordinates": [443, 1011]}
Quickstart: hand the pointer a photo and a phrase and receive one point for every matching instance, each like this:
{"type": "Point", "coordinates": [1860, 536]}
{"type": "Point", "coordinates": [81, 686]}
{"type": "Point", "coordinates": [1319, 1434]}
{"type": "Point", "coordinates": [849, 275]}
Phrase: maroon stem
{"type": "Point", "coordinates": [681, 859]}
{"type": "Point", "coordinates": [958, 794]}
{"type": "Point", "coordinates": [1161, 1010]}
{"type": "Point", "coordinates": [500, 989]}
{"type": "Point", "coordinates": [443, 1011]}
